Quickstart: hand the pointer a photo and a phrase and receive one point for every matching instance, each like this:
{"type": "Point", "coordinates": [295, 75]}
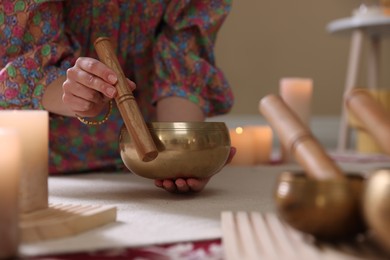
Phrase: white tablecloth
{"type": "Point", "coordinates": [148, 215]}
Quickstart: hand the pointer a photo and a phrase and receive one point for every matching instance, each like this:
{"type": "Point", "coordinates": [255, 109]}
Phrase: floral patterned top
{"type": "Point", "coordinates": [164, 46]}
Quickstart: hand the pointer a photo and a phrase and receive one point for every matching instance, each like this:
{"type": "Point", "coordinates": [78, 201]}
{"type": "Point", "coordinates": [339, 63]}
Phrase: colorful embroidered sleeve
{"type": "Point", "coordinates": [34, 51]}
{"type": "Point", "coordinates": [183, 54]}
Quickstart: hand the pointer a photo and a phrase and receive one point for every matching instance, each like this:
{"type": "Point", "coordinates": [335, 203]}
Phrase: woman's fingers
{"type": "Point", "coordinates": [82, 92]}
{"type": "Point", "coordinates": [182, 185]}
{"type": "Point", "coordinates": [82, 107]}
{"type": "Point", "coordinates": [95, 75]}
{"type": "Point", "coordinates": [233, 151]}
{"type": "Point", "coordinates": [168, 185]}
{"type": "Point", "coordinates": [88, 87]}
{"type": "Point", "coordinates": [197, 185]}
{"type": "Point", "coordinates": [131, 84]}
{"type": "Point", "coordinates": [89, 81]}
{"type": "Point", "coordinates": [97, 68]}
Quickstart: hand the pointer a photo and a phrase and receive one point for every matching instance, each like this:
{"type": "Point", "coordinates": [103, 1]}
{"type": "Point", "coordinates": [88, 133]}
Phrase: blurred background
{"type": "Point", "coordinates": [263, 41]}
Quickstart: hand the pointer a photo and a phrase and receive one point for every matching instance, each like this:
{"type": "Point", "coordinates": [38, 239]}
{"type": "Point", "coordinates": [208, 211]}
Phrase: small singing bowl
{"type": "Point", "coordinates": [185, 150]}
{"type": "Point", "coordinates": [376, 205]}
{"type": "Point", "coordinates": [326, 209]}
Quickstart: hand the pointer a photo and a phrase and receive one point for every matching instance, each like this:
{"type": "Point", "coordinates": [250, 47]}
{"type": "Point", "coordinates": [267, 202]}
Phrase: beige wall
{"type": "Point", "coordinates": [263, 41]}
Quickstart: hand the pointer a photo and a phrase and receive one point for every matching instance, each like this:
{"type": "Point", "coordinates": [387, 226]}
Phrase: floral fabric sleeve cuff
{"type": "Point", "coordinates": [184, 56]}
{"type": "Point", "coordinates": [38, 51]}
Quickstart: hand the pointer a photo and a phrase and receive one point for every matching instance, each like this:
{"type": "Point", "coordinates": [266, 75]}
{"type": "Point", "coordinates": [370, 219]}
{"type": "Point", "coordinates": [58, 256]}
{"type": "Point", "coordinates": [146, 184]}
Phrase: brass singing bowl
{"type": "Point", "coordinates": [376, 201]}
{"type": "Point", "coordinates": [326, 209]}
{"type": "Point", "coordinates": [185, 150]}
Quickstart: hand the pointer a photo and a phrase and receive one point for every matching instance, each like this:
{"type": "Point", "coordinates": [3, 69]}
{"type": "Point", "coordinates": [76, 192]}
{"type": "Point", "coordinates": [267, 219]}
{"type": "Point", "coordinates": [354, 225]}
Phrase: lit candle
{"type": "Point", "coordinates": [253, 144]}
{"type": "Point", "coordinates": [10, 167]}
{"type": "Point", "coordinates": [297, 93]}
{"type": "Point", "coordinates": [33, 127]}
{"type": "Point", "coordinates": [242, 141]}
{"type": "Point", "coordinates": [262, 142]}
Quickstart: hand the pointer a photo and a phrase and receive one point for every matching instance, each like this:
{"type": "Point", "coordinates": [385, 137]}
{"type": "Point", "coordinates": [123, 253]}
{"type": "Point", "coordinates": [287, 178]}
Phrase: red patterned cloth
{"type": "Point", "coordinates": [200, 250]}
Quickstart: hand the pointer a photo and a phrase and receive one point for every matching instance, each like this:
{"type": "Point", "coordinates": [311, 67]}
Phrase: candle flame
{"type": "Point", "coordinates": [239, 130]}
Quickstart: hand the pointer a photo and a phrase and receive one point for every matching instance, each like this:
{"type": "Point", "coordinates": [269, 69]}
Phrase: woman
{"type": "Point", "coordinates": [165, 47]}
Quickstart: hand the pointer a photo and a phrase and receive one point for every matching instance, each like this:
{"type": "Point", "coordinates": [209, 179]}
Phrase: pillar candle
{"type": "Point", "coordinates": [10, 166]}
{"type": "Point", "coordinates": [262, 143]}
{"type": "Point", "coordinates": [253, 144]}
{"type": "Point", "coordinates": [297, 94]}
{"type": "Point", "coordinates": [33, 127]}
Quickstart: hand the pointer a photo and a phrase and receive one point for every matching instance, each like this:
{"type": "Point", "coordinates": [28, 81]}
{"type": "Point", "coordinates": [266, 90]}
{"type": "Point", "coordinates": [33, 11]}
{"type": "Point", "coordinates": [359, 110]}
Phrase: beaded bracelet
{"type": "Point", "coordinates": [106, 116]}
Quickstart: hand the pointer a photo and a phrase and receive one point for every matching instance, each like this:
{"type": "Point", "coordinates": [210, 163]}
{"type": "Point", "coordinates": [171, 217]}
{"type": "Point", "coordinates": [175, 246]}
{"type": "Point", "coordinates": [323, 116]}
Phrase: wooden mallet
{"type": "Point", "coordinates": [127, 105]}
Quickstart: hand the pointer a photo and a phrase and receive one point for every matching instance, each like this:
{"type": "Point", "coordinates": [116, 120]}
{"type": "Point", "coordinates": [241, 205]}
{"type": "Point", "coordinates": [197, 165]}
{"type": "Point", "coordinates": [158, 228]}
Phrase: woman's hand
{"type": "Point", "coordinates": [89, 85]}
{"type": "Point", "coordinates": [182, 185]}
{"type": "Point", "coordinates": [181, 109]}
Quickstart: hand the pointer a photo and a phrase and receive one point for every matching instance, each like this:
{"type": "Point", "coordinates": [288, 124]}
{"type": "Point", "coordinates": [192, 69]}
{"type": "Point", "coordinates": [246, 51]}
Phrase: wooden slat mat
{"type": "Point", "coordinates": [254, 235]}
{"type": "Point", "coordinates": [64, 220]}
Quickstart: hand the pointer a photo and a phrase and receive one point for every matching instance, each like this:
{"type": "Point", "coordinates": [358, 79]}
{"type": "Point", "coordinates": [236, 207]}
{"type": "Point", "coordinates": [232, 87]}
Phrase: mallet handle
{"type": "Point", "coordinates": [127, 104]}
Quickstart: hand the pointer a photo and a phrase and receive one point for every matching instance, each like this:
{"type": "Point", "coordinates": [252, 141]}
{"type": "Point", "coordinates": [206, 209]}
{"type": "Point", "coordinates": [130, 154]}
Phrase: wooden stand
{"type": "Point", "coordinates": [60, 221]}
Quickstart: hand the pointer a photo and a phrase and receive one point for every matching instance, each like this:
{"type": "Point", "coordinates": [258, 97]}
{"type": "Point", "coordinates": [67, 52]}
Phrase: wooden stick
{"type": "Point", "coordinates": [298, 139]}
{"type": "Point", "coordinates": [230, 238]}
{"type": "Point", "coordinates": [247, 236]}
{"type": "Point", "coordinates": [374, 119]}
{"type": "Point", "coordinates": [127, 104]}
{"type": "Point", "coordinates": [266, 240]}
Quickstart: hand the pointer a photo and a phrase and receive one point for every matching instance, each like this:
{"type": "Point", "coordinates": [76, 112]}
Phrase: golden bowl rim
{"type": "Point", "coordinates": [301, 177]}
{"type": "Point", "coordinates": [187, 125]}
